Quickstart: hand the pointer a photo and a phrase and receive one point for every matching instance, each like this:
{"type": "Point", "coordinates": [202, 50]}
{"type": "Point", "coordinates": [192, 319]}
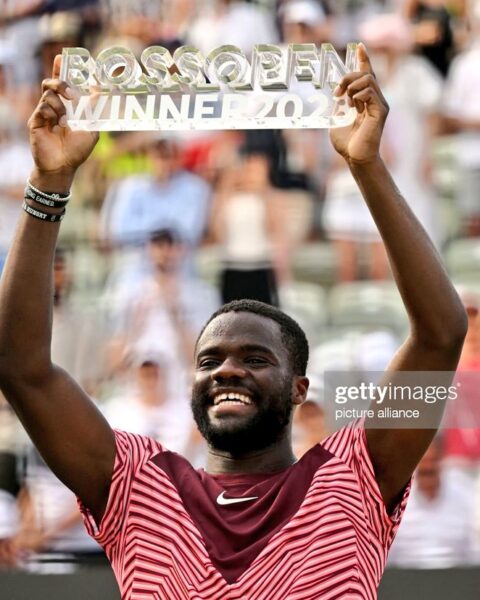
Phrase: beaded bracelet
{"type": "Point", "coordinates": [51, 200]}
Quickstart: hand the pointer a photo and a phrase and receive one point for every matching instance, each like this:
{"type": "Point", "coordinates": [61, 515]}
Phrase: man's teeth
{"type": "Point", "coordinates": [233, 398]}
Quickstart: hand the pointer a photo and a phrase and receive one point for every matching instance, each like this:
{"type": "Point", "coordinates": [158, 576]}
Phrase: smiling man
{"type": "Point", "coordinates": [243, 396]}
{"type": "Point", "coordinates": [255, 524]}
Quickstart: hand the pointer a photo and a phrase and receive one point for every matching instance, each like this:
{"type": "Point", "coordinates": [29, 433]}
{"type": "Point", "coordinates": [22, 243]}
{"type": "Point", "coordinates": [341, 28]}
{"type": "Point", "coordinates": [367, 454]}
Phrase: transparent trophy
{"type": "Point", "coordinates": [277, 87]}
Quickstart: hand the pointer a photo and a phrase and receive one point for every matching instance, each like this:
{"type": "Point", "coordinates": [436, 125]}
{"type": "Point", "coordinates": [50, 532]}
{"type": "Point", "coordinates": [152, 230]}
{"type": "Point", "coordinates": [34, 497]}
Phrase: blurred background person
{"type": "Point", "coordinates": [10, 483]}
{"type": "Point", "coordinates": [309, 423]}
{"type": "Point", "coordinates": [436, 531]}
{"type": "Point", "coordinates": [20, 19]}
{"type": "Point", "coordinates": [49, 526]}
{"type": "Point", "coordinates": [432, 31]}
{"type": "Point", "coordinates": [13, 151]}
{"type": "Point", "coordinates": [308, 427]}
{"type": "Point", "coordinates": [235, 22]}
{"type": "Point", "coordinates": [169, 197]}
{"type": "Point", "coordinates": [150, 405]}
{"type": "Point", "coordinates": [15, 158]}
{"type": "Point", "coordinates": [57, 30]}
{"type": "Point", "coordinates": [462, 117]}
{"type": "Point", "coordinates": [159, 307]}
{"type": "Point", "coordinates": [413, 89]}
{"type": "Point", "coordinates": [307, 152]}
{"type": "Point", "coordinates": [246, 221]}
{"type": "Point", "coordinates": [304, 22]}
{"type": "Point", "coordinates": [349, 226]}
{"type": "Point", "coordinates": [462, 421]}
{"type": "Point", "coordinates": [78, 332]}
{"type": "Point", "coordinates": [414, 92]}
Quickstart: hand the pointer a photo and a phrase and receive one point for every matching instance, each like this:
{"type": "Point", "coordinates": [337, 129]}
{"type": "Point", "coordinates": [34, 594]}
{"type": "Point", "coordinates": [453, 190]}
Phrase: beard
{"type": "Point", "coordinates": [261, 430]}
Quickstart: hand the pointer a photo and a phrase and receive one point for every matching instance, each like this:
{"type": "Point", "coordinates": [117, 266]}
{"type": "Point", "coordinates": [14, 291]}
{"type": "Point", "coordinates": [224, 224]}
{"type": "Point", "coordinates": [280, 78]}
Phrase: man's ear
{"type": "Point", "coordinates": [300, 389]}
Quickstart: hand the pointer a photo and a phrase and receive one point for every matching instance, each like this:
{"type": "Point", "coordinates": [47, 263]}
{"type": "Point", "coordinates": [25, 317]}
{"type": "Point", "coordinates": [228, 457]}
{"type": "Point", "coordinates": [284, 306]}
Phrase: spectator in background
{"type": "Point", "coordinates": [57, 31]}
{"type": "Point", "coordinates": [248, 224]}
{"type": "Point", "coordinates": [462, 421]}
{"type": "Point", "coordinates": [436, 531]}
{"type": "Point", "coordinates": [15, 159]}
{"type": "Point", "coordinates": [470, 358]}
{"type": "Point", "coordinates": [148, 405]}
{"type": "Point", "coordinates": [304, 21]}
{"type": "Point", "coordinates": [236, 22]}
{"type": "Point", "coordinates": [14, 99]}
{"type": "Point", "coordinates": [309, 425]}
{"type": "Point", "coordinates": [432, 31]}
{"type": "Point", "coordinates": [462, 116]}
{"type": "Point", "coordinates": [49, 521]}
{"type": "Point", "coordinates": [9, 484]}
{"type": "Point", "coordinates": [348, 224]}
{"type": "Point", "coordinates": [160, 308]}
{"type": "Point", "coordinates": [78, 335]}
{"type": "Point", "coordinates": [21, 23]}
{"type": "Point", "coordinates": [135, 19]}
{"type": "Point", "coordinates": [413, 89]}
{"type": "Point", "coordinates": [209, 153]}
{"type": "Point", "coordinates": [22, 18]}
{"type": "Point", "coordinates": [168, 198]}
{"type": "Point", "coordinates": [307, 152]}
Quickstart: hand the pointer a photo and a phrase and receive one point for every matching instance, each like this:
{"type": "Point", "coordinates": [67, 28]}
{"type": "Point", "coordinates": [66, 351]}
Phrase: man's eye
{"type": "Point", "coordinates": [255, 360]}
{"type": "Point", "coordinates": [208, 363]}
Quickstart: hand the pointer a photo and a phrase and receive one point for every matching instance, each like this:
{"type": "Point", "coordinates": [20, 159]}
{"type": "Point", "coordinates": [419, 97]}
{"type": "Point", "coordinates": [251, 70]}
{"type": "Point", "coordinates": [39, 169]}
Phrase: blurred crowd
{"type": "Point", "coordinates": [164, 228]}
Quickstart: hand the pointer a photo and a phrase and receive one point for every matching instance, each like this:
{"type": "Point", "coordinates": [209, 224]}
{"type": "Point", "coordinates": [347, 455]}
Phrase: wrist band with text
{"type": "Point", "coordinates": [43, 216]}
{"type": "Point", "coordinates": [53, 200]}
{"type": "Point", "coordinates": [32, 195]}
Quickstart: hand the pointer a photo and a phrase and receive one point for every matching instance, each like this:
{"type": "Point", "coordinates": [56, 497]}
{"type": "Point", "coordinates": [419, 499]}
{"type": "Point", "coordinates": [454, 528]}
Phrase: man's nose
{"type": "Point", "coordinates": [227, 369]}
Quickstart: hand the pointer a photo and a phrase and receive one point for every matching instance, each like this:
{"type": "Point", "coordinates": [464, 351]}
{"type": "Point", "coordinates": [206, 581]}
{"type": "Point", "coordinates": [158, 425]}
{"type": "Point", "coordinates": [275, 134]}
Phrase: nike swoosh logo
{"type": "Point", "coordinates": [224, 501]}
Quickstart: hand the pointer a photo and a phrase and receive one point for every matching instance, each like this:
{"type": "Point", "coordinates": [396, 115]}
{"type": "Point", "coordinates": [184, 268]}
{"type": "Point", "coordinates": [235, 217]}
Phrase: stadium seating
{"type": "Point", "coordinates": [307, 304]}
{"type": "Point", "coordinates": [368, 305]}
{"type": "Point", "coordinates": [315, 262]}
{"type": "Point", "coordinates": [462, 257]}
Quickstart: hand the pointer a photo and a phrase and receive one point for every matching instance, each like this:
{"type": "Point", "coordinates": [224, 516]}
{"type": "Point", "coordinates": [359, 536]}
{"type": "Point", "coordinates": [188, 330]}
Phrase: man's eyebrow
{"type": "Point", "coordinates": [256, 348]}
{"type": "Point", "coordinates": [209, 350]}
{"type": "Point", "coordinates": [243, 348]}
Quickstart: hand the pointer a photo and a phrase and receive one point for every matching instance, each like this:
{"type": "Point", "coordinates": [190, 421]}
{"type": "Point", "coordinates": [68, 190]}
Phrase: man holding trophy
{"type": "Point", "coordinates": [256, 523]}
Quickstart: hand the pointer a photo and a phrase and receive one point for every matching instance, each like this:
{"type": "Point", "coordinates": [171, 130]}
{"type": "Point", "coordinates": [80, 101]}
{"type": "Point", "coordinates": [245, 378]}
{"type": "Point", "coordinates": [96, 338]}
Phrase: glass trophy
{"type": "Point", "coordinates": [277, 87]}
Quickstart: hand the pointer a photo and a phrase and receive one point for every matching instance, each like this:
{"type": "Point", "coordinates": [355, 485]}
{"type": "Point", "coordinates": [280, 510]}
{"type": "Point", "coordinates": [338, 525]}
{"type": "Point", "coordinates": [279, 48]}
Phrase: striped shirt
{"type": "Point", "coordinates": [318, 529]}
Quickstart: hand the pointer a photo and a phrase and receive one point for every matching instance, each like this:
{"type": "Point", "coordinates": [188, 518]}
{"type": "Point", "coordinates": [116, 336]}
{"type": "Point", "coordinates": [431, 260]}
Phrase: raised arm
{"type": "Point", "coordinates": [437, 318]}
{"type": "Point", "coordinates": [66, 427]}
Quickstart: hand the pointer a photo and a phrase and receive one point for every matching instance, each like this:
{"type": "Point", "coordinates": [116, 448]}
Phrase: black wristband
{"type": "Point", "coordinates": [36, 197]}
{"type": "Point", "coordinates": [54, 200]}
{"type": "Point", "coordinates": [43, 216]}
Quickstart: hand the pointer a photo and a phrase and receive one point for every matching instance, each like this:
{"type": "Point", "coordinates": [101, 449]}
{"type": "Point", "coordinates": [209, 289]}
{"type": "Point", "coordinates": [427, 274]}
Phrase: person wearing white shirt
{"type": "Point", "coordinates": [462, 116]}
{"type": "Point", "coordinates": [437, 529]}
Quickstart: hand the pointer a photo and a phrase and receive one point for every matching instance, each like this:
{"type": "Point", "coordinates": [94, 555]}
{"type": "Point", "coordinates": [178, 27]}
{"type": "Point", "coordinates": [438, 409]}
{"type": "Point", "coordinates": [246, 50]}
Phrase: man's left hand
{"type": "Point", "coordinates": [359, 142]}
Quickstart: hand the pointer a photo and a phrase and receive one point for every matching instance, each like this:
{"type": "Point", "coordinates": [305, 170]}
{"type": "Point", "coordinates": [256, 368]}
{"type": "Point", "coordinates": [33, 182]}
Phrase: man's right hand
{"type": "Point", "coordinates": [57, 150]}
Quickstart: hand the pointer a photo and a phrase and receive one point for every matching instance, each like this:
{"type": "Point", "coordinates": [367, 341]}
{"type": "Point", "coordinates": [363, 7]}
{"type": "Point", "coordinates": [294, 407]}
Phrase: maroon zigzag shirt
{"type": "Point", "coordinates": [316, 530]}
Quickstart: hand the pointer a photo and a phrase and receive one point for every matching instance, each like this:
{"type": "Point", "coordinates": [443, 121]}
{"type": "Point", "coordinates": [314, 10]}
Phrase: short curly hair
{"type": "Point", "coordinates": [292, 334]}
